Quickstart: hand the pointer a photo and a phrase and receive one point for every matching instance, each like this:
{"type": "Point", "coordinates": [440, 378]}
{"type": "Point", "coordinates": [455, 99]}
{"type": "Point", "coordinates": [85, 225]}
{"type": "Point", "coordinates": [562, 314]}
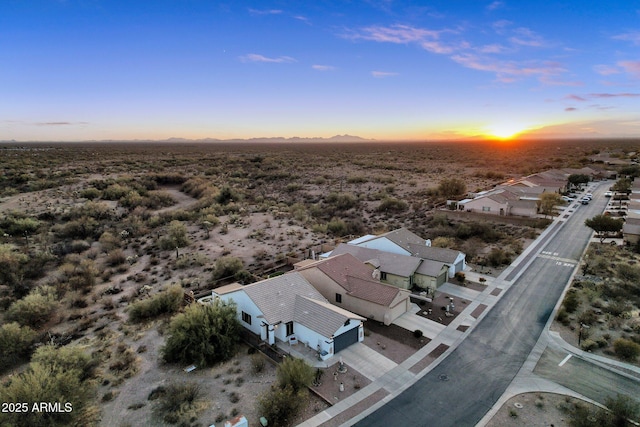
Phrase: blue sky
{"type": "Point", "coordinates": [112, 69]}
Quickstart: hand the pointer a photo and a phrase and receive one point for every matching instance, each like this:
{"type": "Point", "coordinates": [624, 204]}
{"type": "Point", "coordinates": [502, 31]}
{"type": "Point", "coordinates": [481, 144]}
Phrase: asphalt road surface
{"type": "Point", "coordinates": [465, 385]}
{"type": "Point", "coordinates": [584, 377]}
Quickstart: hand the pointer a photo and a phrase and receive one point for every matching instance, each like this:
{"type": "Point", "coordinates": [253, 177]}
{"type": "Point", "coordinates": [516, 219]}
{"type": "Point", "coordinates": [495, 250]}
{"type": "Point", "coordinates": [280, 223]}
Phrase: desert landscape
{"type": "Point", "coordinates": [104, 244]}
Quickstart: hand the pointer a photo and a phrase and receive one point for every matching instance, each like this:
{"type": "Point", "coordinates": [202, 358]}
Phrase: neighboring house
{"type": "Point", "coordinates": [631, 231]}
{"type": "Point", "coordinates": [288, 308]}
{"type": "Point", "coordinates": [346, 282]}
{"type": "Point", "coordinates": [455, 260]}
{"type": "Point", "coordinates": [396, 241]}
{"type": "Point", "coordinates": [402, 271]}
{"type": "Point", "coordinates": [503, 201]}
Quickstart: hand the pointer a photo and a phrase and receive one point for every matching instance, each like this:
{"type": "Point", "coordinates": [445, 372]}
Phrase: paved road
{"type": "Point", "coordinates": [464, 386]}
{"type": "Point", "coordinates": [584, 377]}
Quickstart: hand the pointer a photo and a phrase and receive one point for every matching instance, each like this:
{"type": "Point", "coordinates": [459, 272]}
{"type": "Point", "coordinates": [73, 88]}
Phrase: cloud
{"type": "Point", "coordinates": [631, 36]}
{"type": "Point", "coordinates": [614, 95]}
{"type": "Point", "coordinates": [575, 98]}
{"type": "Point", "coordinates": [323, 67]}
{"type": "Point", "coordinates": [509, 71]}
{"type": "Point", "coordinates": [495, 5]}
{"type": "Point", "coordinates": [605, 70]}
{"type": "Point", "coordinates": [265, 12]}
{"type": "Point", "coordinates": [60, 123]}
{"type": "Point", "coordinates": [302, 18]}
{"type": "Point", "coordinates": [383, 74]}
{"type": "Point", "coordinates": [395, 34]}
{"type": "Point", "coordinates": [526, 37]}
{"type": "Point", "coordinates": [254, 57]}
{"type": "Point", "coordinates": [570, 109]}
{"type": "Point", "coordinates": [493, 48]}
{"type": "Point", "coordinates": [631, 67]}
{"type": "Point", "coordinates": [501, 25]}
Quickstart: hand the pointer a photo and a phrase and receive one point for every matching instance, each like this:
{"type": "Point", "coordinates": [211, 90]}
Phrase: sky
{"type": "Point", "coordinates": [75, 70]}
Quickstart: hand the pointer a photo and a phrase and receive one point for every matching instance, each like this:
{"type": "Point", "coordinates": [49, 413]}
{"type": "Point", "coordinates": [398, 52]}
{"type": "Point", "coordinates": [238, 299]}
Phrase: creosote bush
{"type": "Point", "coordinates": [203, 334]}
{"type": "Point", "coordinates": [165, 302]}
{"type": "Point", "coordinates": [15, 343]}
{"type": "Point", "coordinates": [34, 309]}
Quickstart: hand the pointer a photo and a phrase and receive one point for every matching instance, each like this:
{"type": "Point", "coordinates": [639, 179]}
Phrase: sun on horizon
{"type": "Point", "coordinates": [506, 131]}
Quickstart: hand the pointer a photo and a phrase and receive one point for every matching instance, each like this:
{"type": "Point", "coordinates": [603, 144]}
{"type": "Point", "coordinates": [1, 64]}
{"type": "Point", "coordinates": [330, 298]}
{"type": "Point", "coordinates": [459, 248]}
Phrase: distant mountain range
{"type": "Point", "coordinates": [335, 138]}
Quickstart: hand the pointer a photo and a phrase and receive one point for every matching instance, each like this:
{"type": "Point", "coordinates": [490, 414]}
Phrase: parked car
{"type": "Point", "coordinates": [584, 201]}
{"type": "Point", "coordinates": [567, 199]}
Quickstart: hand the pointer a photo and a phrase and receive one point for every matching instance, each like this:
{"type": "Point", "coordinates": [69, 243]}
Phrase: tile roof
{"type": "Point", "coordinates": [445, 255]}
{"type": "Point", "coordinates": [320, 316]}
{"type": "Point", "coordinates": [430, 268]}
{"type": "Point", "coordinates": [400, 265]}
{"type": "Point", "coordinates": [276, 297]}
{"type": "Point", "coordinates": [291, 297]}
{"type": "Point", "coordinates": [403, 237]}
{"type": "Point", "coordinates": [356, 278]}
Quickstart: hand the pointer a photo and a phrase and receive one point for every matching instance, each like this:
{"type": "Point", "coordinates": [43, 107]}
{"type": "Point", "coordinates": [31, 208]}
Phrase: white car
{"type": "Point", "coordinates": [608, 194]}
{"type": "Point", "coordinates": [567, 199]}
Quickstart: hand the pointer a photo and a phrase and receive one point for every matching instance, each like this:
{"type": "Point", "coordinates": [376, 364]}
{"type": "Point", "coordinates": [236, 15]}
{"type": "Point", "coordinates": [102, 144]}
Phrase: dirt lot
{"type": "Point", "coordinates": [535, 409]}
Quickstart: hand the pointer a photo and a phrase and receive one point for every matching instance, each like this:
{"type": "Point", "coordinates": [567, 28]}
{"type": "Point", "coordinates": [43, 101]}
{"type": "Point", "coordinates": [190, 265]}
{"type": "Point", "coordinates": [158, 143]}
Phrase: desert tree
{"type": "Point", "coordinates": [547, 203]}
{"type": "Point", "coordinates": [205, 334]}
{"type": "Point", "coordinates": [575, 180]}
{"type": "Point", "coordinates": [603, 225]}
{"type": "Point", "coordinates": [61, 375]}
{"type": "Point", "coordinates": [451, 187]}
{"type": "Point", "coordinates": [15, 343]}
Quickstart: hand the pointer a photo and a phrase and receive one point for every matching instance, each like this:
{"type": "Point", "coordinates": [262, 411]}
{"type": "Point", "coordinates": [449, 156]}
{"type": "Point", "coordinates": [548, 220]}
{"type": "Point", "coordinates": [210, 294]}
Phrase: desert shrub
{"type": "Point", "coordinates": [341, 201]}
{"type": "Point", "coordinates": [563, 317]}
{"type": "Point", "coordinates": [34, 309]}
{"type": "Point", "coordinates": [587, 317]}
{"type": "Point", "coordinates": [203, 334]}
{"type": "Point", "coordinates": [460, 276]}
{"type": "Point", "coordinates": [109, 241]}
{"type": "Point", "coordinates": [177, 400]}
{"type": "Point", "coordinates": [629, 273]}
{"type": "Point", "coordinates": [417, 333]}
{"type": "Point", "coordinates": [443, 242]}
{"type": "Point", "coordinates": [571, 302]}
{"type": "Point", "coordinates": [295, 373]}
{"type": "Point", "coordinates": [12, 264]}
{"type": "Point", "coordinates": [116, 192]}
{"type": "Point", "coordinates": [116, 257]}
{"type": "Point", "coordinates": [337, 227]}
{"type": "Point", "coordinates": [166, 302]}
{"type": "Point", "coordinates": [281, 405]}
{"type": "Point", "coordinates": [620, 410]}
{"type": "Point", "coordinates": [602, 342]}
{"type": "Point", "coordinates": [176, 236]}
{"type": "Point", "coordinates": [81, 228]}
{"type": "Point", "coordinates": [589, 345]}
{"type": "Point", "coordinates": [91, 193]}
{"type": "Point", "coordinates": [19, 226]}
{"type": "Point", "coordinates": [54, 375]}
{"type": "Point", "coordinates": [390, 204]}
{"type": "Point", "coordinates": [498, 257]}
{"type": "Point", "coordinates": [451, 187]}
{"type": "Point", "coordinates": [158, 199]}
{"type": "Point", "coordinates": [79, 246]}
{"type": "Point", "coordinates": [257, 363]}
{"type": "Point", "coordinates": [626, 349]}
{"type": "Point", "coordinates": [15, 343]}
{"type": "Point", "coordinates": [618, 307]}
{"type": "Point", "coordinates": [226, 266]}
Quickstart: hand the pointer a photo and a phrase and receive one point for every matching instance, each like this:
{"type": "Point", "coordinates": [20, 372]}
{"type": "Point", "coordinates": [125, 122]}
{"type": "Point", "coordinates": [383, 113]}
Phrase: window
{"type": "Point", "coordinates": [246, 318]}
{"type": "Point", "coordinates": [486, 209]}
{"type": "Point", "coordinates": [383, 275]}
{"type": "Point", "coordinates": [289, 328]}
{"type": "Point", "coordinates": [338, 297]}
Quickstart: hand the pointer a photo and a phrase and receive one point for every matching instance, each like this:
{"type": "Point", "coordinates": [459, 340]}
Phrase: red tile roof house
{"type": "Point", "coordinates": [402, 271]}
{"type": "Point", "coordinates": [346, 282]}
{"type": "Point", "coordinates": [287, 308]}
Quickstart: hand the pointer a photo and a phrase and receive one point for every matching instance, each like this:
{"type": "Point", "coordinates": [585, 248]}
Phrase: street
{"type": "Point", "coordinates": [465, 385]}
